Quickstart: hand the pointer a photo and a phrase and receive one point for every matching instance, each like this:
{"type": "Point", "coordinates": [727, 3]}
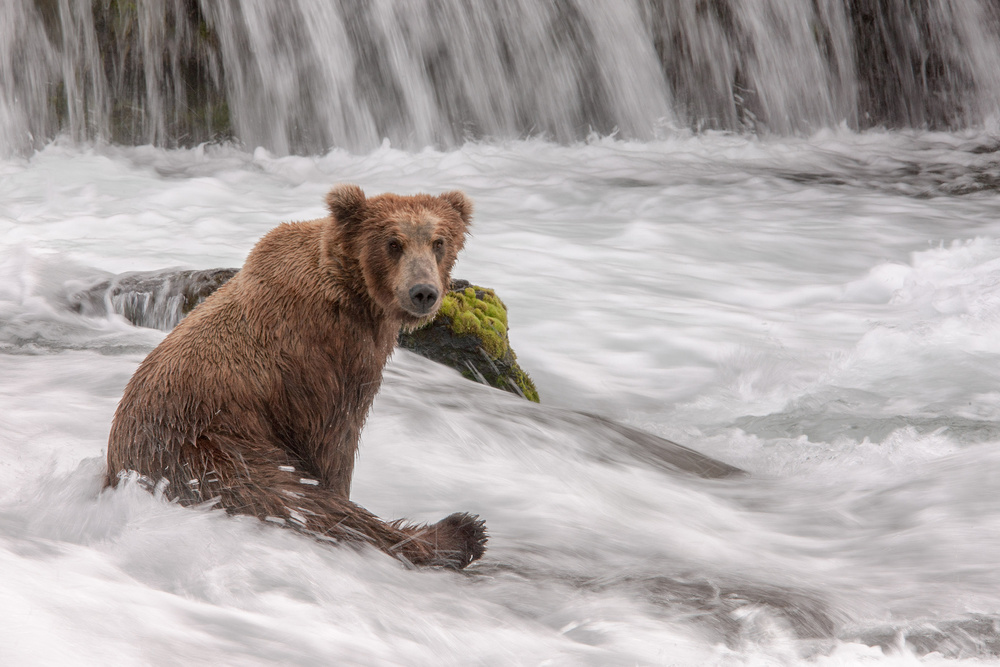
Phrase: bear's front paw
{"type": "Point", "coordinates": [460, 539]}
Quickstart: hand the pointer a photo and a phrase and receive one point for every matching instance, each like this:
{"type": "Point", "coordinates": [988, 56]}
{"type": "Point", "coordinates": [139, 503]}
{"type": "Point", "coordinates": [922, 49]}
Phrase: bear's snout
{"type": "Point", "coordinates": [423, 297]}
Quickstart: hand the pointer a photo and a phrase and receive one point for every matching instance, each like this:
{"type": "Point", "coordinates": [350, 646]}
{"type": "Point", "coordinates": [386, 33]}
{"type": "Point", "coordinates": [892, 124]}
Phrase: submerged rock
{"type": "Point", "coordinates": [154, 299]}
{"type": "Point", "coordinates": [975, 636]}
{"type": "Point", "coordinates": [469, 333]}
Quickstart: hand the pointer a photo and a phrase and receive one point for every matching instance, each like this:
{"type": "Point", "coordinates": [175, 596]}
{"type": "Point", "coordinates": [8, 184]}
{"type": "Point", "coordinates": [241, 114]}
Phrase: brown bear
{"type": "Point", "coordinates": [256, 400]}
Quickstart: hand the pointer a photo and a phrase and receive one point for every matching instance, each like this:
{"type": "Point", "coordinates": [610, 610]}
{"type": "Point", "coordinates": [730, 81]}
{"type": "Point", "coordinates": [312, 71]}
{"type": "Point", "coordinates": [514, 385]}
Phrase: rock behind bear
{"type": "Point", "coordinates": [256, 400]}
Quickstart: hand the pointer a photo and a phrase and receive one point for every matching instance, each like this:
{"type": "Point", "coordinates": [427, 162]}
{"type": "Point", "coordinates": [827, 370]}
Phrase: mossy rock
{"type": "Point", "coordinates": [470, 335]}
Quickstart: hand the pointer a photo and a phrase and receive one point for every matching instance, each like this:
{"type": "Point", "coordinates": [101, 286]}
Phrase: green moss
{"type": "Point", "coordinates": [478, 312]}
{"type": "Point", "coordinates": [524, 383]}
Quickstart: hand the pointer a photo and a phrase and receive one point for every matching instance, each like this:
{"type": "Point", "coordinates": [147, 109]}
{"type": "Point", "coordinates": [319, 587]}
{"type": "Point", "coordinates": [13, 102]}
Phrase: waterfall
{"type": "Point", "coordinates": [302, 76]}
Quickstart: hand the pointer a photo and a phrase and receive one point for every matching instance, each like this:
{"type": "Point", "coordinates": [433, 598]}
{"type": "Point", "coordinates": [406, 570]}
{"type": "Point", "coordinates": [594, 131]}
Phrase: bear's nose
{"type": "Point", "coordinates": [423, 296]}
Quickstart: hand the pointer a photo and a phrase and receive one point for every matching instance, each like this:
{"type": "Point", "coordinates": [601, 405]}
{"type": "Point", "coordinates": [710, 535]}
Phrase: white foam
{"type": "Point", "coordinates": [787, 305]}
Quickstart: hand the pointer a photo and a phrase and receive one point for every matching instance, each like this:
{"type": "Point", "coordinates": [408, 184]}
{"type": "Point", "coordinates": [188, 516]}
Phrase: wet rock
{"type": "Point", "coordinates": [155, 299]}
{"type": "Point", "coordinates": [630, 444]}
{"type": "Point", "coordinates": [976, 636]}
{"type": "Point", "coordinates": [469, 333]}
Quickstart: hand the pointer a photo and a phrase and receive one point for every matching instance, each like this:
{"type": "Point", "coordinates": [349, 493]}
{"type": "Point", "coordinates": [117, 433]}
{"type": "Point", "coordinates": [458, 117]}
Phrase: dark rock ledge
{"type": "Point", "coordinates": [469, 333]}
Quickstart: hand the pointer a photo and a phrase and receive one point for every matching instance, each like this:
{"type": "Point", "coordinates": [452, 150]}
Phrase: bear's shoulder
{"type": "Point", "coordinates": [286, 245]}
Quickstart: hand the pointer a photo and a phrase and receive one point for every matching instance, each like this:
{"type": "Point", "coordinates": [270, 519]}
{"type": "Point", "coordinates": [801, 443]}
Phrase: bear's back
{"type": "Point", "coordinates": [273, 355]}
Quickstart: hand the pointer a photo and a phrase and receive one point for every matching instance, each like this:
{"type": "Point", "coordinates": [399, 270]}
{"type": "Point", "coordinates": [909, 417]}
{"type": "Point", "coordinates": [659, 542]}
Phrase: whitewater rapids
{"type": "Point", "coordinates": [822, 312]}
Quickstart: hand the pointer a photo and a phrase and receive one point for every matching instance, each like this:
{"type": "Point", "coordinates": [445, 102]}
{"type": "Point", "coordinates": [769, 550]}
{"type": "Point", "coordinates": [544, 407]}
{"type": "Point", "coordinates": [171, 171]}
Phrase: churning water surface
{"type": "Point", "coordinates": [820, 312]}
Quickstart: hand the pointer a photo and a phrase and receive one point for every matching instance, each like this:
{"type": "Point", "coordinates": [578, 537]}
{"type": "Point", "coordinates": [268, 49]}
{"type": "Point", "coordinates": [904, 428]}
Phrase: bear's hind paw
{"type": "Point", "coordinates": [466, 536]}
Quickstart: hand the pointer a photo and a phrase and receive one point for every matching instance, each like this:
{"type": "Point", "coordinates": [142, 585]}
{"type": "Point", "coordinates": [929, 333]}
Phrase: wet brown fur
{"type": "Point", "coordinates": [256, 400]}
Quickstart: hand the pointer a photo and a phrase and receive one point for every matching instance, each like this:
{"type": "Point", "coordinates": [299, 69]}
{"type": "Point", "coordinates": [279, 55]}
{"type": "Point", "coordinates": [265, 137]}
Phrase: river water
{"type": "Point", "coordinates": [823, 312]}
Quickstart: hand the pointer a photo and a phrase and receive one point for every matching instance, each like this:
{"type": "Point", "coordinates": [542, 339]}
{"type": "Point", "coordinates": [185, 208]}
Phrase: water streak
{"type": "Point", "coordinates": [303, 76]}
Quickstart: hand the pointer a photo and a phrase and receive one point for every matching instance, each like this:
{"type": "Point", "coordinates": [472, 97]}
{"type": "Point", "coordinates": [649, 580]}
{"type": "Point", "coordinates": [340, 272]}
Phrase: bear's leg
{"type": "Point", "coordinates": [453, 542]}
{"type": "Point", "coordinates": [458, 539]}
{"type": "Point", "coordinates": [264, 482]}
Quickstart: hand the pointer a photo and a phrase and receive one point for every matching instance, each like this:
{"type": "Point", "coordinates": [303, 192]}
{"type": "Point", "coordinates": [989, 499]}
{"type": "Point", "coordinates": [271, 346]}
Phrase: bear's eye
{"type": "Point", "coordinates": [395, 247]}
{"type": "Point", "coordinates": [438, 245]}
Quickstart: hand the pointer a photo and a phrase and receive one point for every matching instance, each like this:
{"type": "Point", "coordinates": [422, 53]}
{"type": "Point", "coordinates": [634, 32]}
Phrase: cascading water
{"type": "Point", "coordinates": [303, 76]}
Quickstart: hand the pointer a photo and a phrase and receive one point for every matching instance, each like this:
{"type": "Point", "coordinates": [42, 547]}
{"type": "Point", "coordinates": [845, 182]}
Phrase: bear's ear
{"type": "Point", "coordinates": [458, 201]}
{"type": "Point", "coordinates": [346, 203]}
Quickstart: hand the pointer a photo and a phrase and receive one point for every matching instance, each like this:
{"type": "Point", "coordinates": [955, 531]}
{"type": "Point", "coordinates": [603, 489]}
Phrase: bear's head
{"type": "Point", "coordinates": [403, 247]}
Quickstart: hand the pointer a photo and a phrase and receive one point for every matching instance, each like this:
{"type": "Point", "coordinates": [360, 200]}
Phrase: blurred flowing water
{"type": "Point", "coordinates": [302, 76]}
{"type": "Point", "coordinates": [815, 304]}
